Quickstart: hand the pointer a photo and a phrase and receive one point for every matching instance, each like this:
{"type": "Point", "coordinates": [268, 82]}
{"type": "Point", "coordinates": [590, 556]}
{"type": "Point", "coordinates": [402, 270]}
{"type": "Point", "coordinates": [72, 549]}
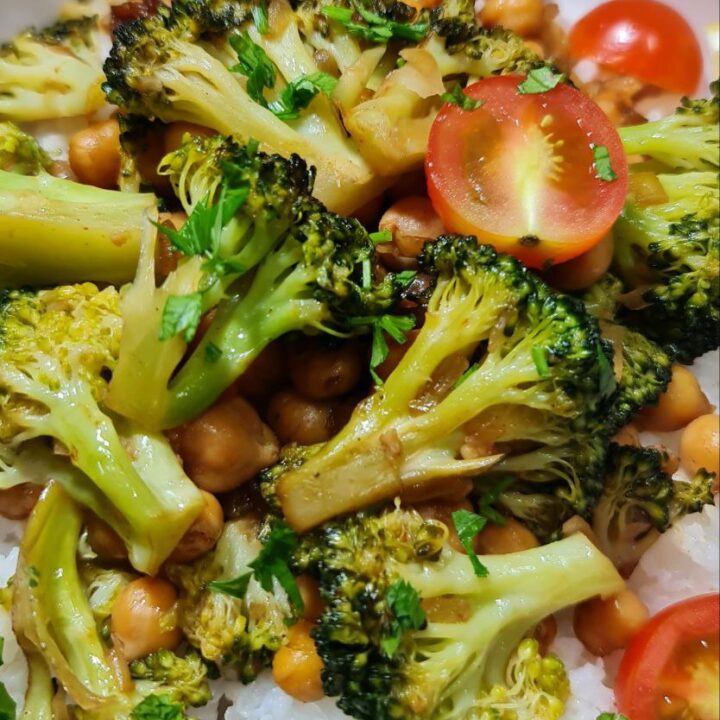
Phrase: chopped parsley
{"type": "Point", "coordinates": [540, 80]}
{"type": "Point", "coordinates": [603, 166]}
{"type": "Point", "coordinates": [458, 97]}
{"type": "Point", "coordinates": [404, 603]}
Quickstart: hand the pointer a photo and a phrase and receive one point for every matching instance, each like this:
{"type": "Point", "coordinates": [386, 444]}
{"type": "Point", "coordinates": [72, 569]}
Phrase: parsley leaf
{"type": "Point", "coordinates": [540, 80]}
{"type": "Point", "coordinates": [539, 356]}
{"type": "Point", "coordinates": [457, 96]}
{"type": "Point", "coordinates": [375, 28]}
{"type": "Point", "coordinates": [611, 716]}
{"type": "Point", "coordinates": [195, 236]}
{"type": "Point", "coordinates": [260, 17]}
{"type": "Point", "coordinates": [490, 497]}
{"type": "Point", "coordinates": [603, 167]}
{"type": "Point", "coordinates": [468, 525]}
{"type": "Point", "coordinates": [606, 381]}
{"type": "Point", "coordinates": [300, 93]}
{"type": "Point", "coordinates": [157, 707]}
{"type": "Point", "coordinates": [381, 236]}
{"type": "Point", "coordinates": [404, 602]}
{"type": "Point", "coordinates": [396, 326]}
{"type": "Point", "coordinates": [181, 316]}
{"type": "Point", "coordinates": [273, 561]}
{"type": "Point", "coordinates": [254, 63]}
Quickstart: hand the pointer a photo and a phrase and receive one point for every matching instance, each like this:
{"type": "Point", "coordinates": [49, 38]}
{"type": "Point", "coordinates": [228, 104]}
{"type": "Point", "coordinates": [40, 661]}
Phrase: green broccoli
{"type": "Point", "coordinates": [536, 381]}
{"type": "Point", "coordinates": [56, 348]}
{"type": "Point", "coordinates": [297, 267]}
{"type": "Point", "coordinates": [20, 152]}
{"type": "Point", "coordinates": [410, 631]}
{"type": "Point", "coordinates": [58, 231]}
{"type": "Point", "coordinates": [52, 73]}
{"type": "Point", "coordinates": [182, 679]}
{"type": "Point", "coordinates": [225, 612]}
{"type": "Point", "coordinates": [42, 701]}
{"type": "Point", "coordinates": [668, 253]}
{"type": "Point", "coordinates": [640, 501]}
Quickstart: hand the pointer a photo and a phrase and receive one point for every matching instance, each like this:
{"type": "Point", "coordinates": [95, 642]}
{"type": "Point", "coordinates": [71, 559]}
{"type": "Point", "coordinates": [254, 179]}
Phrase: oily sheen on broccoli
{"type": "Point", "coordinates": [667, 250]}
{"type": "Point", "coordinates": [57, 347]}
{"type": "Point", "coordinates": [535, 383]}
{"type": "Point", "coordinates": [409, 631]}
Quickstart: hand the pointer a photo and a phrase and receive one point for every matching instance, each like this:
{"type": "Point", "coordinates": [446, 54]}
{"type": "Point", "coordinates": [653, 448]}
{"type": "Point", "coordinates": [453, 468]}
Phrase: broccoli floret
{"type": "Point", "coordinates": [640, 501]}
{"type": "Point", "coordinates": [20, 152]}
{"type": "Point", "coordinates": [56, 348]}
{"type": "Point", "coordinates": [52, 73]}
{"type": "Point", "coordinates": [163, 67]}
{"type": "Point", "coordinates": [51, 613]}
{"type": "Point", "coordinates": [687, 140]}
{"type": "Point", "coordinates": [409, 631]}
{"type": "Point", "coordinates": [242, 626]}
{"type": "Point", "coordinates": [668, 253]}
{"type": "Point", "coordinates": [291, 458]}
{"type": "Point", "coordinates": [58, 231]}
{"type": "Point", "coordinates": [536, 368]}
{"type": "Point", "coordinates": [303, 268]}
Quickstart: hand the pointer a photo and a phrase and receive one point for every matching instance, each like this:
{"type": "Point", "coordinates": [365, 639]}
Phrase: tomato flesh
{"type": "Point", "coordinates": [520, 174]}
{"type": "Point", "coordinates": [671, 669]}
{"type": "Point", "coordinates": [643, 38]}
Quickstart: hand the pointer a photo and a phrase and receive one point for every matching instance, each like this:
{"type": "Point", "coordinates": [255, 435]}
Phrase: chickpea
{"type": "Point", "coordinates": [142, 618]}
{"type": "Point", "coordinates": [545, 633]}
{"type": "Point", "coordinates": [203, 533]}
{"type": "Point", "coordinates": [525, 17]}
{"type": "Point", "coordinates": [682, 402]}
{"type": "Point", "coordinates": [295, 419]}
{"type": "Point", "coordinates": [175, 132]}
{"type": "Point", "coordinates": [104, 541]}
{"type": "Point", "coordinates": [94, 154]}
{"type": "Point", "coordinates": [627, 435]}
{"type": "Point", "coordinates": [227, 445]}
{"type": "Point", "coordinates": [266, 372]}
{"type": "Point", "coordinates": [395, 355]}
{"type": "Point", "coordinates": [322, 373]}
{"type": "Point", "coordinates": [583, 271]}
{"type": "Point", "coordinates": [502, 539]}
{"type": "Point", "coordinates": [297, 666]}
{"type": "Point", "coordinates": [605, 625]}
{"type": "Point", "coordinates": [310, 594]}
{"type": "Point", "coordinates": [700, 444]}
{"type": "Point", "coordinates": [148, 157]}
{"type": "Point", "coordinates": [412, 222]}
{"type": "Point", "coordinates": [16, 503]}
{"type": "Point", "coordinates": [577, 524]}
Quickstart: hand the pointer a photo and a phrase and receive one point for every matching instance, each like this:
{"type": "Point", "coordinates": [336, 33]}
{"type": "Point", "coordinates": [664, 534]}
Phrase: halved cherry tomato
{"type": "Point", "coordinates": [520, 172]}
{"type": "Point", "coordinates": [643, 38]}
{"type": "Point", "coordinates": [671, 669]}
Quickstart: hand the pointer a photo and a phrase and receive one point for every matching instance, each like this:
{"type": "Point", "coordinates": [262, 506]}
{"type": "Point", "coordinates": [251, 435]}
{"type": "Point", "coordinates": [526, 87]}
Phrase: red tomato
{"type": "Point", "coordinates": [520, 174]}
{"type": "Point", "coordinates": [671, 668]}
{"type": "Point", "coordinates": [643, 38]}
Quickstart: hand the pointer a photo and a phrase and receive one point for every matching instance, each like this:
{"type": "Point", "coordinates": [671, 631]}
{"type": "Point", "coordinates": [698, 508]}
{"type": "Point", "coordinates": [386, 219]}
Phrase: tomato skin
{"type": "Point", "coordinates": [643, 38]}
{"type": "Point", "coordinates": [650, 651]}
{"type": "Point", "coordinates": [492, 172]}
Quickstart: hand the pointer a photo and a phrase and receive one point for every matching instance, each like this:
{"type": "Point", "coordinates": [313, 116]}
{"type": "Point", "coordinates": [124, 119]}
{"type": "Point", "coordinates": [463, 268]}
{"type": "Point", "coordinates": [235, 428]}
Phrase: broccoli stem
{"type": "Point", "coordinates": [273, 306]}
{"type": "Point", "coordinates": [57, 231]}
{"type": "Point", "coordinates": [40, 690]}
{"type": "Point", "coordinates": [50, 608]}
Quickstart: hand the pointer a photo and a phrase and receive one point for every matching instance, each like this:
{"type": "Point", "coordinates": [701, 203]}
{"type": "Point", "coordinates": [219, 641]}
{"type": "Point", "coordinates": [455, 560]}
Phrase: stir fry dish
{"type": "Point", "coordinates": [351, 363]}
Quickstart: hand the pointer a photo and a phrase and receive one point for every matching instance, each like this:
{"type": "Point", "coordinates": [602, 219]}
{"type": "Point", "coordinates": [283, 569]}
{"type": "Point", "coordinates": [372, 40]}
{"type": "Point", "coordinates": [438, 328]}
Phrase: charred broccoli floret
{"type": "Point", "coordinates": [534, 384]}
{"type": "Point", "coordinates": [410, 631]}
{"type": "Point", "coordinates": [52, 73]}
{"type": "Point", "coordinates": [640, 501]}
{"type": "Point", "coordinates": [20, 152]}
{"type": "Point", "coordinates": [56, 349]}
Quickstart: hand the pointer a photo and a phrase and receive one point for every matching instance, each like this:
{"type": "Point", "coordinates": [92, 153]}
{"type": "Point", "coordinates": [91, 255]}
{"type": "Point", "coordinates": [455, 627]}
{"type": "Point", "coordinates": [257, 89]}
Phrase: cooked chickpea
{"type": "Point", "coordinates": [147, 158]}
{"type": "Point", "coordinates": [502, 539]}
{"type": "Point", "coordinates": [322, 373]}
{"type": "Point", "coordinates": [627, 435]}
{"type": "Point", "coordinates": [545, 633]}
{"type": "Point", "coordinates": [142, 619]}
{"type": "Point", "coordinates": [297, 666]}
{"type": "Point", "coordinates": [310, 594]}
{"type": "Point", "coordinates": [395, 355]}
{"type": "Point", "coordinates": [605, 625]}
{"type": "Point", "coordinates": [585, 270]}
{"type": "Point", "coordinates": [525, 17]}
{"type": "Point", "coordinates": [299, 420]}
{"type": "Point", "coordinates": [94, 154]}
{"type": "Point", "coordinates": [203, 533]}
{"type": "Point", "coordinates": [412, 222]}
{"type": "Point", "coordinates": [700, 444]}
{"type": "Point", "coordinates": [266, 372]}
{"type": "Point", "coordinates": [681, 403]}
{"type": "Point", "coordinates": [577, 524]}
{"type": "Point", "coordinates": [16, 503]}
{"type": "Point", "coordinates": [104, 541]}
{"type": "Point", "coordinates": [175, 132]}
{"type": "Point", "coordinates": [227, 445]}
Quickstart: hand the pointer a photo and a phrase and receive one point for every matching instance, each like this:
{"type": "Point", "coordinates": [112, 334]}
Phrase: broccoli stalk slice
{"type": "Point", "coordinates": [57, 231]}
{"type": "Point", "coordinates": [40, 693]}
{"type": "Point", "coordinates": [50, 609]}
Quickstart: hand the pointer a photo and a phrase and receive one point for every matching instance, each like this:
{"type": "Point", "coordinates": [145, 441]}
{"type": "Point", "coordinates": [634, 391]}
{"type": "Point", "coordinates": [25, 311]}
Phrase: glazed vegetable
{"type": "Point", "coordinates": [52, 73]}
{"type": "Point", "coordinates": [56, 348]}
{"type": "Point", "coordinates": [530, 367]}
{"type": "Point", "coordinates": [411, 631]}
{"type": "Point", "coordinates": [20, 152]}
